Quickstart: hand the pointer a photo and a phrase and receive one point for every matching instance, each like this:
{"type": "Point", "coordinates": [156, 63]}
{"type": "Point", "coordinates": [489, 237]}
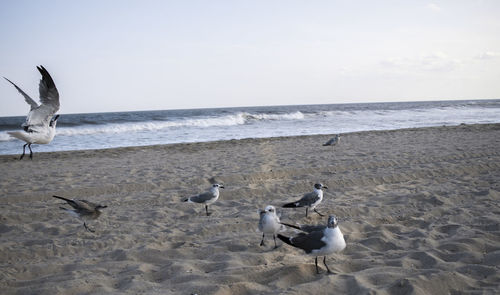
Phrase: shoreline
{"type": "Point", "coordinates": [153, 146]}
{"type": "Point", "coordinates": [419, 208]}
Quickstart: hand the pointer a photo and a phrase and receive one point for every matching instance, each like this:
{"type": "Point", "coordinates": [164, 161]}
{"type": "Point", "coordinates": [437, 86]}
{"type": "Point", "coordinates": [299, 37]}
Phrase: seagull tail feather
{"type": "Point", "coordinates": [291, 205]}
{"type": "Point", "coordinates": [285, 239]}
{"type": "Point", "coordinates": [19, 135]}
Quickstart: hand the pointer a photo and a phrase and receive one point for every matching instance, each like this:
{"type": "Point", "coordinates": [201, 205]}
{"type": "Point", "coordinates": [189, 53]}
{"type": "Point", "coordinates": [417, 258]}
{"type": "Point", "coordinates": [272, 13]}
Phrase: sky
{"type": "Point", "coordinates": [109, 56]}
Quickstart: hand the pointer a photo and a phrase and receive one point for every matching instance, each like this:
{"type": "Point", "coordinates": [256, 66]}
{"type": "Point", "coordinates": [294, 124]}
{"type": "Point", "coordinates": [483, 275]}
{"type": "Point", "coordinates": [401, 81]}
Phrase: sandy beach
{"type": "Point", "coordinates": [419, 209]}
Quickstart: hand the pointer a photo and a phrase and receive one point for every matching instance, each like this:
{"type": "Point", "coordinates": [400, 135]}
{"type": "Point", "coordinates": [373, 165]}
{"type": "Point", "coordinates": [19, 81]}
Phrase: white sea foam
{"type": "Point", "coordinates": [5, 137]}
{"type": "Point", "coordinates": [273, 117]}
{"type": "Point", "coordinates": [226, 120]}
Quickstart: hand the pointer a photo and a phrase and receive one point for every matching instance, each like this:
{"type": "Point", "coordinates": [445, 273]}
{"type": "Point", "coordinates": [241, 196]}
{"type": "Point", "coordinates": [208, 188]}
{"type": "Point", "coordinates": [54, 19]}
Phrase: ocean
{"type": "Point", "coordinates": [121, 129]}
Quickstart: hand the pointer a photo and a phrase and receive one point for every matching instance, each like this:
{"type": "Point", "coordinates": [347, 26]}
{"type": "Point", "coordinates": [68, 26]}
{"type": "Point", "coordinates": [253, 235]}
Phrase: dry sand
{"type": "Point", "coordinates": [419, 207]}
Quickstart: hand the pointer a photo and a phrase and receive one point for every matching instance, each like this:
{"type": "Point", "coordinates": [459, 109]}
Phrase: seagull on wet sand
{"type": "Point", "coordinates": [206, 198]}
{"type": "Point", "coordinates": [40, 124]}
{"type": "Point", "coordinates": [334, 141]}
{"type": "Point", "coordinates": [269, 223]}
{"type": "Point", "coordinates": [309, 200]}
{"type": "Point", "coordinates": [320, 242]}
{"type": "Point", "coordinates": [83, 209]}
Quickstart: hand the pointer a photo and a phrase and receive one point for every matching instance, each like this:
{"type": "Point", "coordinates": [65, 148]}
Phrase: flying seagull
{"type": "Point", "coordinates": [40, 124]}
{"type": "Point", "coordinates": [206, 198]}
{"type": "Point", "coordinates": [269, 223]}
{"type": "Point", "coordinates": [333, 141]}
{"type": "Point", "coordinates": [83, 209]}
{"type": "Point", "coordinates": [321, 242]}
{"type": "Point", "coordinates": [309, 200]}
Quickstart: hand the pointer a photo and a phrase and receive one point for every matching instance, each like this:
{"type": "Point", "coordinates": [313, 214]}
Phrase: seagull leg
{"type": "Point", "coordinates": [31, 152]}
{"type": "Point", "coordinates": [24, 151]}
{"type": "Point", "coordinates": [318, 212]}
{"type": "Point", "coordinates": [324, 262]}
{"type": "Point", "coordinates": [206, 210]}
{"type": "Point", "coordinates": [316, 262]}
{"type": "Point", "coordinates": [262, 242]}
{"type": "Point", "coordinates": [88, 228]}
{"type": "Point", "coordinates": [275, 245]}
{"type": "Point", "coordinates": [307, 209]}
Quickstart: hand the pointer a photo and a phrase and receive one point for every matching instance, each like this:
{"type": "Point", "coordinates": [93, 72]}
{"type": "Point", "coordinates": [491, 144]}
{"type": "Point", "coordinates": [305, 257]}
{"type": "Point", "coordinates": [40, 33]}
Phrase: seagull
{"type": "Point", "coordinates": [310, 200]}
{"type": "Point", "coordinates": [83, 209]}
{"type": "Point", "coordinates": [333, 141]}
{"type": "Point", "coordinates": [206, 198]}
{"type": "Point", "coordinates": [40, 125]}
{"type": "Point", "coordinates": [269, 223]}
{"type": "Point", "coordinates": [321, 242]}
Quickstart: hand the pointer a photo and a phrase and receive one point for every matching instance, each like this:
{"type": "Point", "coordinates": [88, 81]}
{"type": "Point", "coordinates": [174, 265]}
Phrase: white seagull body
{"type": "Point", "coordinates": [40, 126]}
{"type": "Point", "coordinates": [206, 198]}
{"type": "Point", "coordinates": [269, 223]}
{"type": "Point", "coordinates": [323, 242]}
{"type": "Point", "coordinates": [309, 200]}
{"type": "Point", "coordinates": [334, 141]}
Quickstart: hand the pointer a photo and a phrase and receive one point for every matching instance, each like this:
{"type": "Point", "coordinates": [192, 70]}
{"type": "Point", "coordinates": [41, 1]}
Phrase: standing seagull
{"type": "Point", "coordinates": [319, 243]}
{"type": "Point", "coordinates": [309, 200]}
{"type": "Point", "coordinates": [269, 223]}
{"type": "Point", "coordinates": [40, 126]}
{"type": "Point", "coordinates": [206, 198]}
{"type": "Point", "coordinates": [333, 141]}
{"type": "Point", "coordinates": [83, 209]}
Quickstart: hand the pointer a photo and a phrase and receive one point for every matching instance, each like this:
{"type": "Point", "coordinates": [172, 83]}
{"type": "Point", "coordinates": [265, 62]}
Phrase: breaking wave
{"type": "Point", "coordinates": [88, 127]}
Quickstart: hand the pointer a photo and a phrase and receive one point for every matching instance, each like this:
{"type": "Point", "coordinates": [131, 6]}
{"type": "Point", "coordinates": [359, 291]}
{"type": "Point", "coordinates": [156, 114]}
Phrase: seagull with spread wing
{"type": "Point", "coordinates": [40, 124]}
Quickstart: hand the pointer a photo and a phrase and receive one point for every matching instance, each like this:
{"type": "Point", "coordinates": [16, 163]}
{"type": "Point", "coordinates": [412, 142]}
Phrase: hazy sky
{"type": "Point", "coordinates": [146, 55]}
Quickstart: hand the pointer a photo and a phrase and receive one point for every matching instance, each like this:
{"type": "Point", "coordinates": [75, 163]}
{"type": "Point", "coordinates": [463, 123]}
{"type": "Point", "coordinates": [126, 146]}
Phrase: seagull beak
{"type": "Point", "coordinates": [325, 187]}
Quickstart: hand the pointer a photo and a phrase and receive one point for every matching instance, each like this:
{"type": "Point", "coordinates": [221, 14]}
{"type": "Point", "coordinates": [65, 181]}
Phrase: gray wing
{"type": "Point", "coordinates": [202, 198]}
{"type": "Point", "coordinates": [261, 219]}
{"type": "Point", "coordinates": [27, 98]}
{"type": "Point", "coordinates": [308, 199]}
{"type": "Point", "coordinates": [306, 228]}
{"type": "Point", "coordinates": [312, 228]}
{"type": "Point", "coordinates": [332, 141]}
{"type": "Point", "coordinates": [85, 205]}
{"type": "Point", "coordinates": [48, 91]}
{"type": "Point", "coordinates": [308, 242]}
{"type": "Point", "coordinates": [49, 98]}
